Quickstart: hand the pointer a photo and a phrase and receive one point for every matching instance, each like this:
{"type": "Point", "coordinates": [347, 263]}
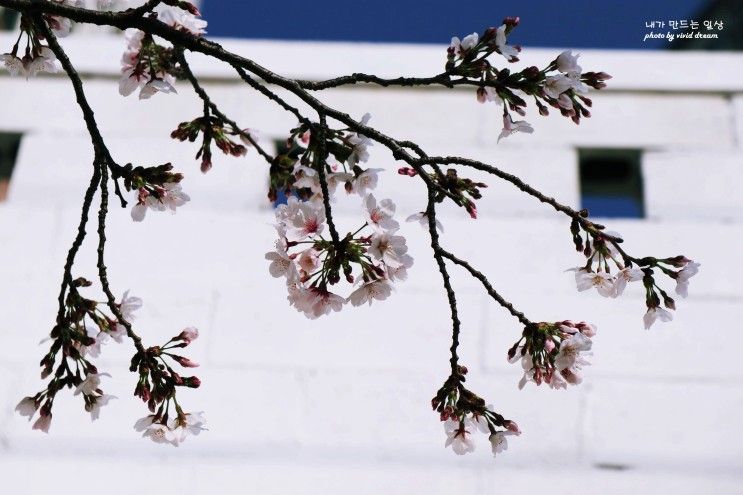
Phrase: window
{"type": "Point", "coordinates": [9, 143]}
{"type": "Point", "coordinates": [8, 19]}
{"type": "Point", "coordinates": [611, 182]}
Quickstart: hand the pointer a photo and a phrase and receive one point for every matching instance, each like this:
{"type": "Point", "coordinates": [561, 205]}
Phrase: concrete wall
{"type": "Point", "coordinates": [342, 404]}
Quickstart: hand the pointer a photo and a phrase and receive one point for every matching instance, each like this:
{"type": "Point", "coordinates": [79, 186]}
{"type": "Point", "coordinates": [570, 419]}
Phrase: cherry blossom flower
{"type": "Point", "coordinates": [170, 197]}
{"type": "Point", "coordinates": [366, 181]}
{"type": "Point", "coordinates": [422, 218]}
{"type": "Point", "coordinates": [602, 281]}
{"type": "Point", "coordinates": [30, 66]}
{"type": "Point", "coordinates": [13, 64]}
{"type": "Point", "coordinates": [43, 422]}
{"type": "Point", "coordinates": [624, 276]}
{"type": "Point", "coordinates": [309, 260]}
{"type": "Point", "coordinates": [690, 269]}
{"type": "Point", "coordinates": [379, 216]}
{"type": "Point", "coordinates": [27, 407]}
{"type": "Point", "coordinates": [324, 302]}
{"type": "Point", "coordinates": [164, 85]}
{"type": "Point", "coordinates": [391, 249]}
{"type": "Point", "coordinates": [189, 334]}
{"type": "Point", "coordinates": [160, 433]}
{"type": "Point", "coordinates": [457, 437]}
{"type": "Point", "coordinates": [509, 127]}
{"type": "Point", "coordinates": [467, 43]}
{"type": "Point", "coordinates": [487, 93]}
{"type": "Point", "coordinates": [91, 383]}
{"type": "Point", "coordinates": [182, 19]}
{"type": "Point", "coordinates": [308, 220]}
{"type": "Point", "coordinates": [567, 63]}
{"type": "Point", "coordinates": [569, 355]}
{"type": "Point", "coordinates": [499, 441]}
{"type": "Point", "coordinates": [143, 423]}
{"type": "Point", "coordinates": [94, 408]}
{"type": "Point", "coordinates": [128, 305]}
{"type": "Point", "coordinates": [282, 266]}
{"type": "Point", "coordinates": [655, 313]}
{"type": "Point", "coordinates": [376, 290]}
{"type": "Point", "coordinates": [510, 52]}
{"type": "Point", "coordinates": [556, 85]}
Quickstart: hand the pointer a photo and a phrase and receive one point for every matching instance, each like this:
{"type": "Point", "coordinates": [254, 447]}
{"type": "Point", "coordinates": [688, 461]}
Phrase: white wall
{"type": "Point", "coordinates": [342, 404]}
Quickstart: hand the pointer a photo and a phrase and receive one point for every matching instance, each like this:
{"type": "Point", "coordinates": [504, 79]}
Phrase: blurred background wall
{"type": "Point", "coordinates": [341, 404]}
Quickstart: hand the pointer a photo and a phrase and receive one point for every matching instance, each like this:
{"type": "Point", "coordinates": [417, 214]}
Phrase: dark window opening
{"type": "Point", "coordinates": [611, 183]}
{"type": "Point", "coordinates": [8, 19]}
{"type": "Point", "coordinates": [9, 143]}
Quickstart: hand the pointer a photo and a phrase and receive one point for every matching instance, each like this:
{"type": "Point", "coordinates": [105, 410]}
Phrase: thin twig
{"type": "Point", "coordinates": [215, 110]}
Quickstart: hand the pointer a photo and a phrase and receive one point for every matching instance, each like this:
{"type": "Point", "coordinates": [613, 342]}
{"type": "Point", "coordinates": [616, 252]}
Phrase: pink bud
{"type": "Point", "coordinates": [549, 345]}
{"type": "Point", "coordinates": [512, 426]}
{"type": "Point", "coordinates": [189, 334]}
{"type": "Point", "coordinates": [185, 362]}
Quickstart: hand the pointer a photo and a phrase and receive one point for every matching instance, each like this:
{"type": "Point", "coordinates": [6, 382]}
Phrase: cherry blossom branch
{"type": "Point", "coordinates": [321, 155]}
{"type": "Point", "coordinates": [213, 107]}
{"type": "Point", "coordinates": [486, 283]}
{"type": "Point", "coordinates": [450, 295]}
{"type": "Point", "coordinates": [550, 351]}
{"type": "Point", "coordinates": [113, 306]}
{"type": "Point", "coordinates": [101, 151]}
{"type": "Point", "coordinates": [102, 161]}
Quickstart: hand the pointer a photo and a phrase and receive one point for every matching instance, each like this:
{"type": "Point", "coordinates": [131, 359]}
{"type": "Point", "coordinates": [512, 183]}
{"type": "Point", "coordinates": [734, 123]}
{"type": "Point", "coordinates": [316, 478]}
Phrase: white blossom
{"type": "Point", "coordinates": [43, 423]}
{"type": "Point", "coordinates": [467, 43]}
{"type": "Point", "coordinates": [171, 198]}
{"type": "Point", "coordinates": [499, 441]}
{"type": "Point", "coordinates": [556, 85]}
{"type": "Point", "coordinates": [569, 355]}
{"type": "Point", "coordinates": [511, 53]}
{"type": "Point", "coordinates": [90, 384]}
{"type": "Point", "coordinates": [379, 216]}
{"type": "Point", "coordinates": [422, 218]}
{"type": "Point", "coordinates": [282, 265]}
{"type": "Point", "coordinates": [162, 85]}
{"type": "Point", "coordinates": [365, 181]}
{"type": "Point", "coordinates": [160, 433]}
{"type": "Point", "coordinates": [509, 127]}
{"type": "Point", "coordinates": [682, 278]}
{"type": "Point", "coordinates": [324, 303]}
{"type": "Point", "coordinates": [655, 313]}
{"type": "Point", "coordinates": [95, 408]}
{"type": "Point", "coordinates": [143, 423]}
{"type": "Point", "coordinates": [567, 63]}
{"type": "Point", "coordinates": [624, 276]}
{"type": "Point", "coordinates": [27, 407]}
{"type": "Point", "coordinates": [179, 18]}
{"type": "Point", "coordinates": [376, 290]}
{"type": "Point", "coordinates": [602, 281]}
{"type": "Point", "coordinates": [391, 249]}
{"type": "Point", "coordinates": [458, 437]}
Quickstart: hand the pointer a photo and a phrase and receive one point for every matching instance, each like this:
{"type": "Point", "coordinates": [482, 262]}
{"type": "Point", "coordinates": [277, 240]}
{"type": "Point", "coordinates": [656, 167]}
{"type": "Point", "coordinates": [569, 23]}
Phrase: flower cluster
{"type": "Point", "coordinates": [157, 387]}
{"type": "Point", "coordinates": [561, 84]}
{"type": "Point", "coordinates": [291, 171]}
{"type": "Point", "coordinates": [148, 66]}
{"type": "Point", "coordinates": [553, 352]}
{"type": "Point", "coordinates": [603, 251]}
{"type": "Point", "coordinates": [464, 413]}
{"type": "Point", "coordinates": [212, 129]}
{"type": "Point", "coordinates": [157, 189]}
{"type": "Point", "coordinates": [36, 58]}
{"type": "Point", "coordinates": [78, 336]}
{"type": "Point", "coordinates": [462, 191]}
{"type": "Point", "coordinates": [315, 263]}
